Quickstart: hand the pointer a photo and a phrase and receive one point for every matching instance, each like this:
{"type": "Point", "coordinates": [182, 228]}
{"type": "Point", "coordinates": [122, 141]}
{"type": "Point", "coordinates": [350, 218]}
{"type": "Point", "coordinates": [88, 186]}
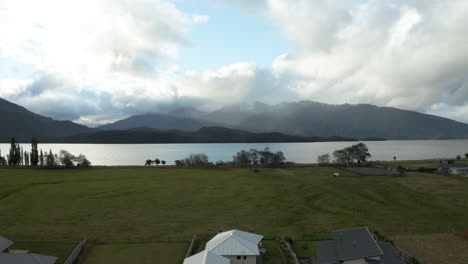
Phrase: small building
{"type": "Point", "coordinates": [7, 256]}
{"type": "Point", "coordinates": [231, 247]}
{"type": "Point", "coordinates": [453, 169]}
{"type": "Point", "coordinates": [357, 246]}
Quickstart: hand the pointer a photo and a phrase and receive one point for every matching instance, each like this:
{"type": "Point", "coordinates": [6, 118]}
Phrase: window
{"type": "Point", "coordinates": [238, 257]}
{"type": "Point", "coordinates": [245, 257]}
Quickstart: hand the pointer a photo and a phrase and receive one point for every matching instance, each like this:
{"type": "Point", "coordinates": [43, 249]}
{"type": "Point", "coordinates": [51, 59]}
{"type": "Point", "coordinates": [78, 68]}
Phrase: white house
{"type": "Point", "coordinates": [231, 247]}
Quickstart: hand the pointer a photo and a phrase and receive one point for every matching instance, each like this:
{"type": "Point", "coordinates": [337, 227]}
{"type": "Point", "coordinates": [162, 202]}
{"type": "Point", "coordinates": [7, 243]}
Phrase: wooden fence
{"type": "Point", "coordinates": [75, 253]}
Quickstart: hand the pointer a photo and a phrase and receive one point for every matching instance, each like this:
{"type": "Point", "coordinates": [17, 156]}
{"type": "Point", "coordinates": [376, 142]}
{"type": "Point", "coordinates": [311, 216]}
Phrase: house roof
{"type": "Point", "coordinates": [235, 243]}
{"type": "Point", "coordinates": [391, 254]}
{"type": "Point", "coordinates": [326, 253]}
{"type": "Point", "coordinates": [206, 257]}
{"type": "Point", "coordinates": [20, 258]}
{"type": "Point", "coordinates": [4, 243]}
{"type": "Point", "coordinates": [454, 165]}
{"type": "Point", "coordinates": [355, 243]}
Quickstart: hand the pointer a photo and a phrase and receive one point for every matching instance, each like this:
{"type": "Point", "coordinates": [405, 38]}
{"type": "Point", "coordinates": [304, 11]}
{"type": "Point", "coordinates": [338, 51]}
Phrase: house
{"type": "Point", "coordinates": [453, 169]}
{"type": "Point", "coordinates": [357, 246]}
{"type": "Point", "coordinates": [7, 256]}
{"type": "Point", "coordinates": [231, 247]}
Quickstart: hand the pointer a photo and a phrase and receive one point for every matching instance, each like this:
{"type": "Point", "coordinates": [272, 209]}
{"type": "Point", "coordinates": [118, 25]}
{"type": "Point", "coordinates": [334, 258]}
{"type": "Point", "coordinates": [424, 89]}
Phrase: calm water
{"type": "Point", "coordinates": [136, 154]}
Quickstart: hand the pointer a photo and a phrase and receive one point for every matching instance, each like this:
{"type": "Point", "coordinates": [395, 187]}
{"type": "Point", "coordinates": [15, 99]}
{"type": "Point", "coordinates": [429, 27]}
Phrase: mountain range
{"type": "Point", "coordinates": [309, 119]}
{"type": "Point", "coordinates": [286, 122]}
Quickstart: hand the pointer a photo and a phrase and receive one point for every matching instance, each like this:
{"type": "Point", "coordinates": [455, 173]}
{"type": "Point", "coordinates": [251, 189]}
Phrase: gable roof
{"type": "Point", "coordinates": [326, 253]}
{"type": "Point", "coordinates": [391, 254]}
{"type": "Point", "coordinates": [355, 243]}
{"type": "Point", "coordinates": [206, 257]}
{"type": "Point", "coordinates": [4, 243]}
{"type": "Point", "coordinates": [235, 243]}
{"type": "Point", "coordinates": [26, 258]}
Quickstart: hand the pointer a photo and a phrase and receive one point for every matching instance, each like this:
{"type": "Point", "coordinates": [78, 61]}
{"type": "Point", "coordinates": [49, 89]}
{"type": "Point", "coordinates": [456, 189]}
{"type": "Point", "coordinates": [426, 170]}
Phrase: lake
{"type": "Point", "coordinates": [136, 154]}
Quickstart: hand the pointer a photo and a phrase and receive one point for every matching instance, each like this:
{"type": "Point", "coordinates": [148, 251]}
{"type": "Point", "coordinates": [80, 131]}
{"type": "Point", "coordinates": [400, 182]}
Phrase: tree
{"type": "Point", "coordinates": [466, 155]}
{"type": "Point", "coordinates": [14, 157]}
{"type": "Point", "coordinates": [323, 159]}
{"type": "Point", "coordinates": [3, 161]}
{"type": "Point", "coordinates": [50, 160]}
{"type": "Point", "coordinates": [241, 158]}
{"type": "Point", "coordinates": [157, 162]}
{"type": "Point", "coordinates": [458, 157]}
{"type": "Point", "coordinates": [199, 159]}
{"type": "Point", "coordinates": [66, 158]}
{"type": "Point", "coordinates": [163, 162]}
{"type": "Point", "coordinates": [82, 161]}
{"type": "Point", "coordinates": [355, 154]}
{"type": "Point", "coordinates": [34, 152]}
{"type": "Point", "coordinates": [41, 159]}
{"type": "Point", "coordinates": [148, 162]}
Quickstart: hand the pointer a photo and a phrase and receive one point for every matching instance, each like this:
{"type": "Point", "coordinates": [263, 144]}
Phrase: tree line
{"type": "Point", "coordinates": [354, 154]}
{"type": "Point", "coordinates": [243, 158]}
{"type": "Point", "coordinates": [17, 156]}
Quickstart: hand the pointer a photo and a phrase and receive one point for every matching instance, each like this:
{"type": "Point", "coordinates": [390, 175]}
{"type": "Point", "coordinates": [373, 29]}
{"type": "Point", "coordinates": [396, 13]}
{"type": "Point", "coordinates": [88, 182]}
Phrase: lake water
{"type": "Point", "coordinates": [136, 154]}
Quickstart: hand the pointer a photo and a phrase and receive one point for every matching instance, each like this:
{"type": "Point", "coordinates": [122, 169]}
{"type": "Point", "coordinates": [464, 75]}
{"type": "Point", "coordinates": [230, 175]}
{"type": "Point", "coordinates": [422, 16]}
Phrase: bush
{"type": "Point", "coordinates": [264, 157]}
{"type": "Point", "coordinates": [199, 159]}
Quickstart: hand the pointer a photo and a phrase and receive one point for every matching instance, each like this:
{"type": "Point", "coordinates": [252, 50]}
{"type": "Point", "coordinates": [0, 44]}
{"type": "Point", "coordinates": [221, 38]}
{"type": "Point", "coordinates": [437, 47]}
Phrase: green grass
{"type": "Point", "coordinates": [305, 248]}
{"type": "Point", "coordinates": [148, 253]}
{"type": "Point", "coordinates": [140, 205]}
{"type": "Point", "coordinates": [273, 253]}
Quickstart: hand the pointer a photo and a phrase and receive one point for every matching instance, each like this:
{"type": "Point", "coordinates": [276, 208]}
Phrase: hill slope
{"type": "Point", "coordinates": [23, 124]}
{"type": "Point", "coordinates": [158, 121]}
{"type": "Point", "coordinates": [203, 135]}
{"type": "Point", "coordinates": [309, 118]}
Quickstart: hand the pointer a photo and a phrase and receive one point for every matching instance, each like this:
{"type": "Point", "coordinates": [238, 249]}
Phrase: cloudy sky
{"type": "Point", "coordinates": [93, 61]}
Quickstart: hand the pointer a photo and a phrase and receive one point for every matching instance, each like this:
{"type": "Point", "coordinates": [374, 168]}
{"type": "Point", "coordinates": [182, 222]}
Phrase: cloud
{"type": "Point", "coordinates": [200, 19]}
{"type": "Point", "coordinates": [406, 54]}
{"type": "Point", "coordinates": [95, 61]}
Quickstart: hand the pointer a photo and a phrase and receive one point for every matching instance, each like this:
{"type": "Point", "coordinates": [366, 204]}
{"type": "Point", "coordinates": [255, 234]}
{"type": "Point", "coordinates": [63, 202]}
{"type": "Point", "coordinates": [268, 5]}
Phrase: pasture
{"type": "Point", "coordinates": [140, 209]}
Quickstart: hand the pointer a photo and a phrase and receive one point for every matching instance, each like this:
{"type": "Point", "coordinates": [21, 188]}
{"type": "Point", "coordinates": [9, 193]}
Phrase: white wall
{"type": "Point", "coordinates": [248, 260]}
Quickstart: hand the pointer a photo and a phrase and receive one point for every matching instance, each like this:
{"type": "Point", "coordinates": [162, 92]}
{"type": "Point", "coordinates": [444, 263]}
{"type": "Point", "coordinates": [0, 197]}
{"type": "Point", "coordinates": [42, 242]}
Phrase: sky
{"type": "Point", "coordinates": [97, 61]}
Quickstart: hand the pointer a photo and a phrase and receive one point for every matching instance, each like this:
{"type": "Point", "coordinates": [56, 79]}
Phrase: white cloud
{"type": "Point", "coordinates": [406, 54]}
{"type": "Point", "coordinates": [200, 18]}
{"type": "Point", "coordinates": [98, 60]}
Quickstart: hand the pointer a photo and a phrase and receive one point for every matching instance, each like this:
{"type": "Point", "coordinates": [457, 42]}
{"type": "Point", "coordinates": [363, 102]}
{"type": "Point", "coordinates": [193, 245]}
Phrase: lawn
{"type": "Point", "coordinates": [147, 253]}
{"type": "Point", "coordinates": [143, 205]}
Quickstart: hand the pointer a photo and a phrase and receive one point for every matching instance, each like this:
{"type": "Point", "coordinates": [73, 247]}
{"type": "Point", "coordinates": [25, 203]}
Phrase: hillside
{"type": "Point", "coordinates": [309, 118]}
{"type": "Point", "coordinates": [23, 124]}
{"type": "Point", "coordinates": [158, 121]}
{"type": "Point", "coordinates": [203, 135]}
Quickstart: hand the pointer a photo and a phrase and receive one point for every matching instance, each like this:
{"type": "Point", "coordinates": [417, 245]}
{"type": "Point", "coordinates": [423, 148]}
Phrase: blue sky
{"type": "Point", "coordinates": [228, 37]}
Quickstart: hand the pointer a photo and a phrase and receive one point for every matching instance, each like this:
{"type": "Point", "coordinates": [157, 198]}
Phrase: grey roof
{"type": "Point", "coordinates": [355, 243]}
{"type": "Point", "coordinates": [26, 258]}
{"type": "Point", "coordinates": [326, 253]}
{"type": "Point", "coordinates": [4, 243]}
{"type": "Point", "coordinates": [391, 254]}
{"type": "Point", "coordinates": [454, 165]}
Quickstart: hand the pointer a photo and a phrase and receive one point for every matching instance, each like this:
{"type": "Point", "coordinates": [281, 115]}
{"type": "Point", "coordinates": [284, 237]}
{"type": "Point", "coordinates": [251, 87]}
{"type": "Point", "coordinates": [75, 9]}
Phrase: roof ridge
{"type": "Point", "coordinates": [240, 238]}
{"type": "Point", "coordinates": [373, 239]}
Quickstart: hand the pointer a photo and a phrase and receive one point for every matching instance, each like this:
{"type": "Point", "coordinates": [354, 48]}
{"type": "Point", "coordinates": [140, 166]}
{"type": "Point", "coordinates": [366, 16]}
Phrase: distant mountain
{"type": "Point", "coordinates": [203, 135]}
{"type": "Point", "coordinates": [158, 121]}
{"type": "Point", "coordinates": [17, 121]}
{"type": "Point", "coordinates": [307, 118]}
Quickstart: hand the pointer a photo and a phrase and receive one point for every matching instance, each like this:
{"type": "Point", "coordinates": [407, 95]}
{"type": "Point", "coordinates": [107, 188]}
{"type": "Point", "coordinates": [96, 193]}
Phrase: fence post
{"type": "Point", "coordinates": [189, 252]}
{"type": "Point", "coordinates": [75, 253]}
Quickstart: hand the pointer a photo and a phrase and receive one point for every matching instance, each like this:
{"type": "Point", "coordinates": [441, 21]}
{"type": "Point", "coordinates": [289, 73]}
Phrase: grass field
{"type": "Point", "coordinates": [147, 205]}
{"type": "Point", "coordinates": [435, 248]}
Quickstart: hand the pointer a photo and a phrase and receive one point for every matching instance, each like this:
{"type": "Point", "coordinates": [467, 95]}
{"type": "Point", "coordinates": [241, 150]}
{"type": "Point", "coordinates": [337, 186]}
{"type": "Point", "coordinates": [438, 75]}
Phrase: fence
{"type": "Point", "coordinates": [190, 249]}
{"type": "Point", "coordinates": [76, 252]}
